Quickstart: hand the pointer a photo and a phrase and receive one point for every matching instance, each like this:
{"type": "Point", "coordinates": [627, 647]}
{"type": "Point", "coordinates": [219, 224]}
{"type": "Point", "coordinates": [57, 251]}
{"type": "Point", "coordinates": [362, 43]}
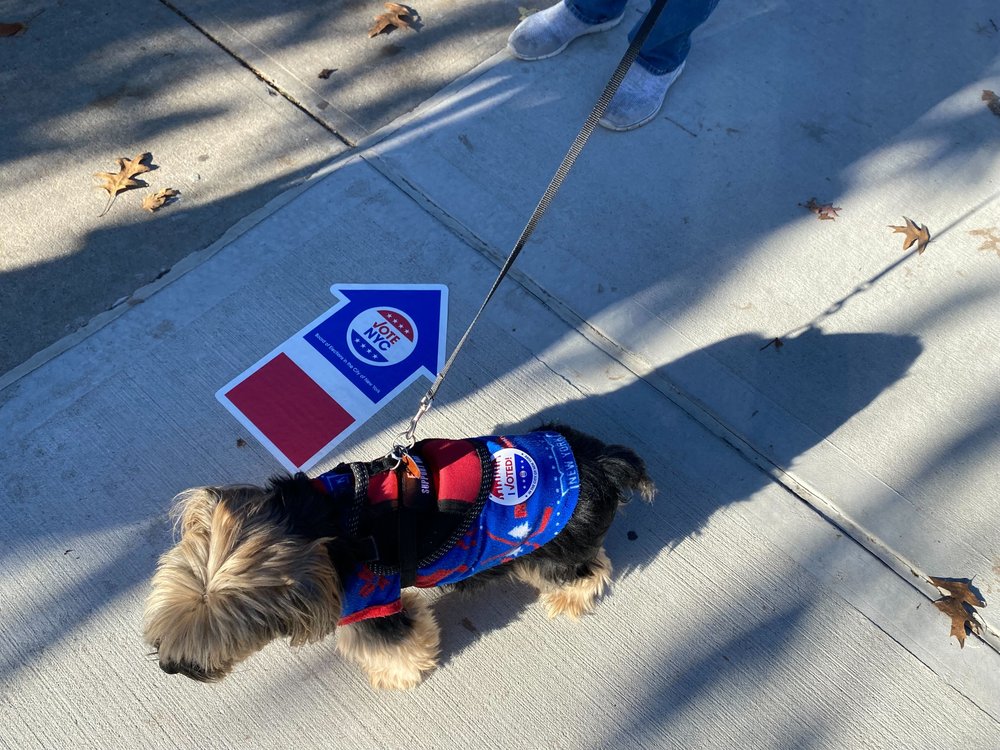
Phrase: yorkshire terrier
{"type": "Point", "coordinates": [304, 557]}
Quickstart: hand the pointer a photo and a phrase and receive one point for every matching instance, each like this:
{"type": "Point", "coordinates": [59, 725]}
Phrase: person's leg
{"type": "Point", "coordinates": [668, 44]}
{"type": "Point", "coordinates": [660, 62]}
{"type": "Point", "coordinates": [596, 11]}
{"type": "Point", "coordinates": [548, 32]}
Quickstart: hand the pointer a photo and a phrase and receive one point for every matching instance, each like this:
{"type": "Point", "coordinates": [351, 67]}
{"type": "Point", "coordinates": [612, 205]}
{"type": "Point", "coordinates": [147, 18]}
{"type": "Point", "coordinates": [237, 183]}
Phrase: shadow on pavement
{"type": "Point", "coordinates": [846, 372]}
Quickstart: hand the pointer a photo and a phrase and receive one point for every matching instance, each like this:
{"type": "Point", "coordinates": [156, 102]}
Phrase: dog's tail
{"type": "Point", "coordinates": [622, 466]}
{"type": "Point", "coordinates": [627, 470]}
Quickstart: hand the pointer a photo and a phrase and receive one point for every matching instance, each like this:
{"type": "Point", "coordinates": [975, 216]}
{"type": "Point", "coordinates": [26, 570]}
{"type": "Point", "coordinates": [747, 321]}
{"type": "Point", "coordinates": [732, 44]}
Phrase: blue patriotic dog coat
{"type": "Point", "coordinates": [477, 503]}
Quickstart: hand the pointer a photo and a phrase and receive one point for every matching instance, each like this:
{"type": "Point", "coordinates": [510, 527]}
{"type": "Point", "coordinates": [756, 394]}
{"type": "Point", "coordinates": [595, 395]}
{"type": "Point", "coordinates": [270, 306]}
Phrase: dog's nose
{"type": "Point", "coordinates": [169, 667]}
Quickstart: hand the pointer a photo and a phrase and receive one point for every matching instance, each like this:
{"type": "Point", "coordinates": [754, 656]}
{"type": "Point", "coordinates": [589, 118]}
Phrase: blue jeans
{"type": "Point", "coordinates": [669, 42]}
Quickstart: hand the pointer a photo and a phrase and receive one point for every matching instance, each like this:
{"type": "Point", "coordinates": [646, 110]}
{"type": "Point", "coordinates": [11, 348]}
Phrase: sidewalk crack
{"type": "Point", "coordinates": [272, 85]}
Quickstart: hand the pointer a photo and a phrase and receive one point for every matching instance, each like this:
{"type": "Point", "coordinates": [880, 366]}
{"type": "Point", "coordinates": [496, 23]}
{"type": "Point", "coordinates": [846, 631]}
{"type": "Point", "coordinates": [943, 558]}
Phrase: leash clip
{"type": "Point", "coordinates": [403, 459]}
{"type": "Point", "coordinates": [410, 436]}
{"type": "Point", "coordinates": [401, 451]}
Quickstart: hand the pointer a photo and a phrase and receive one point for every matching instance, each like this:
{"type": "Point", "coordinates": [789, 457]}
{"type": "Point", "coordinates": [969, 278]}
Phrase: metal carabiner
{"type": "Point", "coordinates": [410, 436]}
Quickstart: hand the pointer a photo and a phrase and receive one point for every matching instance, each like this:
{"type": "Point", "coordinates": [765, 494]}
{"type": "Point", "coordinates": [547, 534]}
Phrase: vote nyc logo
{"type": "Point", "coordinates": [382, 336]}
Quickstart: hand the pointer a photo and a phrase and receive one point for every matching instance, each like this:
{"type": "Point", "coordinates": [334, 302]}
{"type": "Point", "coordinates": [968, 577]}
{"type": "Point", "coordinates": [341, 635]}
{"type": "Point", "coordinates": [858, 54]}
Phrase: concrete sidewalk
{"type": "Point", "coordinates": [775, 594]}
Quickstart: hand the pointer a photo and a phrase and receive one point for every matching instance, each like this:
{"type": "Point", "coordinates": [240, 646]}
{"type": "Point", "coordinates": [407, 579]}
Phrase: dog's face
{"type": "Point", "coordinates": [236, 580]}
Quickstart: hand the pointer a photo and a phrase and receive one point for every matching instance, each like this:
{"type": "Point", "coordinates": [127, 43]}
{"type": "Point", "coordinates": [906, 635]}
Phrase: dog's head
{"type": "Point", "coordinates": [238, 578]}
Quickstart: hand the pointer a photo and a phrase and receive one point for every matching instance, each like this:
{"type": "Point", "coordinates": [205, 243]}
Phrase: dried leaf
{"type": "Point", "coordinates": [960, 606]}
{"type": "Point", "coordinates": [823, 211]}
{"type": "Point", "coordinates": [962, 618]}
{"type": "Point", "coordinates": [914, 233]}
{"type": "Point", "coordinates": [991, 243]}
{"type": "Point", "coordinates": [12, 29]}
{"type": "Point", "coordinates": [775, 342]}
{"type": "Point", "coordinates": [961, 589]}
{"type": "Point", "coordinates": [159, 199]}
{"type": "Point", "coordinates": [326, 73]}
{"type": "Point", "coordinates": [992, 101]}
{"type": "Point", "coordinates": [396, 17]}
{"type": "Point", "coordinates": [127, 169]}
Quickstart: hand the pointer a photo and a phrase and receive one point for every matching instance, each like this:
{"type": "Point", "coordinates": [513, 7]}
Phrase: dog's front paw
{"type": "Point", "coordinates": [399, 655]}
{"type": "Point", "coordinates": [397, 677]}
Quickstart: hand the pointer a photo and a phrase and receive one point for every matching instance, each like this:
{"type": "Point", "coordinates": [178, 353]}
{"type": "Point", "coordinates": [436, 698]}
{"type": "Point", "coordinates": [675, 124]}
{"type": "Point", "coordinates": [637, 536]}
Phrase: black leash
{"type": "Point", "coordinates": [567, 163]}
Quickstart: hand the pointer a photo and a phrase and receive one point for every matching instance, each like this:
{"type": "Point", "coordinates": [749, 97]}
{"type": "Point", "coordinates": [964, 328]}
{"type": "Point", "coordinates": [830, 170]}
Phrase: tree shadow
{"type": "Point", "coordinates": [845, 372]}
{"type": "Point", "coordinates": [121, 76]}
{"type": "Point", "coordinates": [842, 373]}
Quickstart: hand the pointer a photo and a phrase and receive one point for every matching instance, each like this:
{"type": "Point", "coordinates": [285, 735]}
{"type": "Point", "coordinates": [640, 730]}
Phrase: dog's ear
{"type": "Point", "coordinates": [313, 593]}
{"type": "Point", "coordinates": [194, 508]}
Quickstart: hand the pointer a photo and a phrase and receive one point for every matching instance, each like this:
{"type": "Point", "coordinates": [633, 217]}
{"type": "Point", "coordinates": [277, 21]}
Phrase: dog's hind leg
{"type": "Point", "coordinates": [395, 651]}
{"type": "Point", "coordinates": [571, 590]}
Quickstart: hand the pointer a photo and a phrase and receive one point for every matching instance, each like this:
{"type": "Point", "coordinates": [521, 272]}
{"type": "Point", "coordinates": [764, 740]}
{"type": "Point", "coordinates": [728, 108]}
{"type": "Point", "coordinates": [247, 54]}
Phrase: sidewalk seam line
{"type": "Point", "coordinates": [943, 678]}
{"type": "Point", "coordinates": [259, 75]}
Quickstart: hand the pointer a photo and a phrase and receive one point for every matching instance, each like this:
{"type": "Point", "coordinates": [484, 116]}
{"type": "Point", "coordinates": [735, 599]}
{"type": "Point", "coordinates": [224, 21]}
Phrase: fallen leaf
{"type": "Point", "coordinates": [396, 17]}
{"type": "Point", "coordinates": [961, 589]}
{"type": "Point", "coordinates": [127, 169]}
{"type": "Point", "coordinates": [241, 443]}
{"type": "Point", "coordinates": [991, 243]}
{"type": "Point", "coordinates": [326, 73]}
{"type": "Point", "coordinates": [960, 606]}
{"type": "Point", "coordinates": [962, 618]}
{"type": "Point", "coordinates": [914, 233]}
{"type": "Point", "coordinates": [159, 199]}
{"type": "Point", "coordinates": [523, 12]}
{"type": "Point", "coordinates": [11, 29]}
{"type": "Point", "coordinates": [992, 101]}
{"type": "Point", "coordinates": [823, 211]}
{"type": "Point", "coordinates": [775, 342]}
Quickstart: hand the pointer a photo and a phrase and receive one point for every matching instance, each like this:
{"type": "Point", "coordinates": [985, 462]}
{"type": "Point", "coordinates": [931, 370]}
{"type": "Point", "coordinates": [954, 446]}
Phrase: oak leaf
{"type": "Point", "coordinates": [960, 588]}
{"type": "Point", "coordinates": [914, 233]}
{"type": "Point", "coordinates": [123, 179]}
{"type": "Point", "coordinates": [823, 211]}
{"type": "Point", "coordinates": [159, 199]}
{"type": "Point", "coordinates": [992, 101]}
{"type": "Point", "coordinates": [960, 605]}
{"type": "Point", "coordinates": [396, 17]}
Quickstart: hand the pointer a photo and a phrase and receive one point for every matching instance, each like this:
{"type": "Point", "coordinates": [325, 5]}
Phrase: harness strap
{"type": "Point", "coordinates": [409, 496]}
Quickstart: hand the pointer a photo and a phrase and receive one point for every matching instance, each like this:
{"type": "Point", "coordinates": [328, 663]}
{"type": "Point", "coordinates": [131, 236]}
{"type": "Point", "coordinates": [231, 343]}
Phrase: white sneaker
{"type": "Point", "coordinates": [549, 32]}
{"type": "Point", "coordinates": [639, 98]}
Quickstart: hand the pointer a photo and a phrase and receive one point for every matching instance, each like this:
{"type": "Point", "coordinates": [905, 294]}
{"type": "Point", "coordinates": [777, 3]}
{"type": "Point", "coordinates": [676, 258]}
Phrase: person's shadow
{"type": "Point", "coordinates": [821, 379]}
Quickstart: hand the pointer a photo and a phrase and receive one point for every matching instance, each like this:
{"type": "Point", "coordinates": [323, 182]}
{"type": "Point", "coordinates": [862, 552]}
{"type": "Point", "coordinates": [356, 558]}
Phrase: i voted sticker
{"type": "Point", "coordinates": [515, 476]}
{"type": "Point", "coordinates": [382, 336]}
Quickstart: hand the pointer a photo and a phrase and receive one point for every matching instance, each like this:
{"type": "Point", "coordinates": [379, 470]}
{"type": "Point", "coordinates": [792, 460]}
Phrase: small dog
{"type": "Point", "coordinates": [304, 557]}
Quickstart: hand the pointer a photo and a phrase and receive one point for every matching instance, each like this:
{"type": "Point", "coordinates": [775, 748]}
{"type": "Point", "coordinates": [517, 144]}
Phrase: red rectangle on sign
{"type": "Point", "coordinates": [285, 404]}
